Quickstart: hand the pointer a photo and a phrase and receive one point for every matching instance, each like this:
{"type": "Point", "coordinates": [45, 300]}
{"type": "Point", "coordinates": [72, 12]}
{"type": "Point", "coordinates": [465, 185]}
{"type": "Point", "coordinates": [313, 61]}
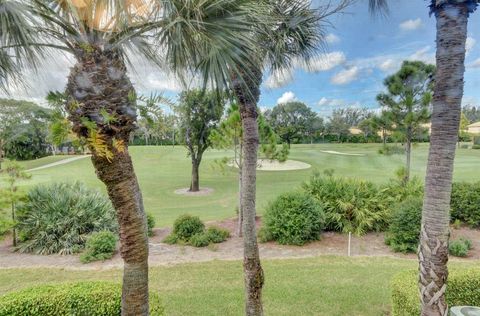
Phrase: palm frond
{"type": "Point", "coordinates": [378, 6]}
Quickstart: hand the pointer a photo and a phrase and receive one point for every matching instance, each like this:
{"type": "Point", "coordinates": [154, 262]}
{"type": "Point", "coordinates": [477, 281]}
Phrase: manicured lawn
{"type": "Point", "coordinates": [313, 286]}
{"type": "Point", "coordinates": [31, 164]}
{"type": "Point", "coordinates": [162, 170]}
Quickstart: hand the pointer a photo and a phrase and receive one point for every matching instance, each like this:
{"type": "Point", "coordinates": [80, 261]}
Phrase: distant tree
{"type": "Point", "coordinates": [407, 102]}
{"type": "Point", "coordinates": [338, 124]}
{"type": "Point", "coordinates": [472, 113]}
{"type": "Point", "coordinates": [292, 121]}
{"type": "Point", "coordinates": [11, 195]}
{"type": "Point", "coordinates": [200, 113]}
{"type": "Point", "coordinates": [463, 130]}
{"type": "Point", "coordinates": [152, 120]}
{"type": "Point", "coordinates": [315, 129]}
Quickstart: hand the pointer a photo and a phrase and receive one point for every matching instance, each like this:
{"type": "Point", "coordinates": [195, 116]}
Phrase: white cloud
{"type": "Point", "coordinates": [424, 55]}
{"type": "Point", "coordinates": [346, 76]}
{"type": "Point", "coordinates": [323, 102]}
{"type": "Point", "coordinates": [279, 79]}
{"type": "Point", "coordinates": [411, 25]}
{"type": "Point", "coordinates": [332, 38]}
{"type": "Point", "coordinates": [470, 44]}
{"type": "Point", "coordinates": [388, 65]}
{"type": "Point", "coordinates": [325, 62]}
{"type": "Point", "coordinates": [288, 96]}
{"type": "Point", "coordinates": [475, 64]}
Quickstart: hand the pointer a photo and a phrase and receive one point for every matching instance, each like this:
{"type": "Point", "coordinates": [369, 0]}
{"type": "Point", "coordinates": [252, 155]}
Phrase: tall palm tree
{"type": "Point", "coordinates": [452, 19]}
{"type": "Point", "coordinates": [286, 31]}
{"type": "Point", "coordinates": [202, 36]}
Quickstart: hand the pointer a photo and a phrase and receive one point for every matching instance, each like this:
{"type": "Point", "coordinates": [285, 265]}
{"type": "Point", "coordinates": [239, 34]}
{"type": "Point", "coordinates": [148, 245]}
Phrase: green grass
{"type": "Point", "coordinates": [162, 170]}
{"type": "Point", "coordinates": [313, 286]}
{"type": "Point", "coordinates": [31, 164]}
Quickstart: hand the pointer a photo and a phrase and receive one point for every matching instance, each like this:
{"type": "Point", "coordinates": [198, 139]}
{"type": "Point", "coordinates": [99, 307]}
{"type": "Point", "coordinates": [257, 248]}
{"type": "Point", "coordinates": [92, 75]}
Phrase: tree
{"type": "Point", "coordinates": [229, 135]}
{"type": "Point", "coordinates": [199, 112]}
{"type": "Point", "coordinates": [452, 20]}
{"type": "Point", "coordinates": [11, 195]}
{"type": "Point", "coordinates": [463, 131]}
{"type": "Point", "coordinates": [284, 31]}
{"type": "Point", "coordinates": [196, 36]}
{"type": "Point", "coordinates": [407, 102]}
{"type": "Point", "coordinates": [152, 122]}
{"type": "Point", "coordinates": [383, 123]}
{"type": "Point", "coordinates": [339, 123]}
{"type": "Point", "coordinates": [292, 121]}
{"type": "Point", "coordinates": [472, 113]}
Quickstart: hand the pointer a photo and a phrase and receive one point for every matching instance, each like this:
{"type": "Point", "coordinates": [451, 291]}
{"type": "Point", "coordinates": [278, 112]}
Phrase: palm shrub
{"type": "Point", "coordinates": [293, 218]}
{"type": "Point", "coordinates": [190, 230]}
{"type": "Point", "coordinates": [465, 203]}
{"type": "Point", "coordinates": [57, 218]}
{"type": "Point", "coordinates": [460, 247]}
{"type": "Point", "coordinates": [150, 224]}
{"type": "Point", "coordinates": [99, 246]}
{"type": "Point", "coordinates": [403, 233]}
{"type": "Point", "coordinates": [350, 205]}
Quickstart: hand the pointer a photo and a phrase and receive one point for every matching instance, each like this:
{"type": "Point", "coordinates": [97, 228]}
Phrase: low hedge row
{"type": "Point", "coordinates": [67, 299]}
{"type": "Point", "coordinates": [463, 289]}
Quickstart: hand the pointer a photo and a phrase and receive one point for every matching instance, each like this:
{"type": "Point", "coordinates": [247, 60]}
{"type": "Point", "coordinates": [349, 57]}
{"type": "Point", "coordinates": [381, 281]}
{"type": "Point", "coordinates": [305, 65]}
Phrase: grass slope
{"type": "Point", "coordinates": [162, 170]}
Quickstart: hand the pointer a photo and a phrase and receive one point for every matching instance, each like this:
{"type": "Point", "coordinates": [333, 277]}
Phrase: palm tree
{"type": "Point", "coordinates": [200, 36]}
{"type": "Point", "coordinates": [286, 32]}
{"type": "Point", "coordinates": [452, 20]}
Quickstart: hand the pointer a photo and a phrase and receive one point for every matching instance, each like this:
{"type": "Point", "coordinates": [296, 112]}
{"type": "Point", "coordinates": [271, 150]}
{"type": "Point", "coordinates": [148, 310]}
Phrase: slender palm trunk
{"type": "Point", "coordinates": [195, 185]}
{"type": "Point", "coordinates": [14, 230]}
{"type": "Point", "coordinates": [433, 251]}
{"type": "Point", "coordinates": [254, 277]}
{"type": "Point", "coordinates": [408, 153]}
{"type": "Point", "coordinates": [99, 83]}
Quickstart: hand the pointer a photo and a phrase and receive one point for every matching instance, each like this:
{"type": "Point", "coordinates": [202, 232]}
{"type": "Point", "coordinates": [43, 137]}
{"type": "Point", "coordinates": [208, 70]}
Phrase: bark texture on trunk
{"type": "Point", "coordinates": [433, 249]}
{"type": "Point", "coordinates": [195, 185]}
{"type": "Point", "coordinates": [101, 105]}
{"type": "Point", "coordinates": [248, 93]}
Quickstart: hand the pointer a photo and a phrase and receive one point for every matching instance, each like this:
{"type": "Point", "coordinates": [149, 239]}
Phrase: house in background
{"type": "Point", "coordinates": [474, 128]}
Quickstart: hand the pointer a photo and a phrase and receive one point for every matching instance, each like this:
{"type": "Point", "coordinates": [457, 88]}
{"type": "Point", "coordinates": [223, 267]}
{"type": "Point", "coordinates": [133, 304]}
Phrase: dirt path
{"type": "Point", "coordinates": [163, 254]}
{"type": "Point", "coordinates": [58, 163]}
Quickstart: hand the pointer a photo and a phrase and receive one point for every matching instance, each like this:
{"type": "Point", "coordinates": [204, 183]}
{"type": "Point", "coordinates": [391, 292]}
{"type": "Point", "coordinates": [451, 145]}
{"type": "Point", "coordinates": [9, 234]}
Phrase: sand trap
{"type": "Point", "coordinates": [339, 153]}
{"type": "Point", "coordinates": [274, 165]}
{"type": "Point", "coordinates": [202, 192]}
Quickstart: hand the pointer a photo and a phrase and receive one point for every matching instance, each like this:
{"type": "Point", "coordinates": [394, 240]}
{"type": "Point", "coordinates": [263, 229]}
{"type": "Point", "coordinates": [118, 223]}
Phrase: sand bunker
{"type": "Point", "coordinates": [274, 165]}
{"type": "Point", "coordinates": [339, 153]}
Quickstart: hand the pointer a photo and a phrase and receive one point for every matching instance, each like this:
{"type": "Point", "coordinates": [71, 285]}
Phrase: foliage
{"type": "Point", "coordinates": [472, 113]}
{"type": "Point", "coordinates": [216, 234]}
{"type": "Point", "coordinates": [293, 219]}
{"type": "Point", "coordinates": [462, 290]}
{"type": "Point", "coordinates": [465, 203]}
{"type": "Point", "coordinates": [391, 150]}
{"type": "Point", "coordinates": [350, 205]}
{"type": "Point", "coordinates": [199, 240]}
{"type": "Point", "coordinates": [403, 233]}
{"type": "Point", "coordinates": [99, 246]}
{"type": "Point", "coordinates": [397, 190]}
{"type": "Point", "coordinates": [65, 299]}
{"type": "Point", "coordinates": [150, 224]}
{"type": "Point", "coordinates": [191, 230]}
{"type": "Point", "coordinates": [57, 218]}
{"type": "Point", "coordinates": [459, 247]}
{"type": "Point", "coordinates": [186, 226]}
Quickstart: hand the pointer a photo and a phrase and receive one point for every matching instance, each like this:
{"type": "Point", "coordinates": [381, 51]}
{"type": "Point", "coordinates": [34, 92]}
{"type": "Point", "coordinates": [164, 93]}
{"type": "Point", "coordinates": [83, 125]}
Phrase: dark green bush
{"type": "Point", "coordinates": [476, 147]}
{"type": "Point", "coordinates": [56, 218]}
{"type": "Point", "coordinates": [465, 203]}
{"type": "Point", "coordinates": [460, 247]}
{"type": "Point", "coordinates": [186, 226]}
{"type": "Point", "coordinates": [150, 224]}
{"type": "Point", "coordinates": [67, 299]}
{"type": "Point", "coordinates": [199, 240]}
{"type": "Point", "coordinates": [99, 246]}
{"type": "Point", "coordinates": [293, 218]}
{"type": "Point", "coordinates": [403, 234]}
{"type": "Point", "coordinates": [350, 205]}
{"type": "Point", "coordinates": [462, 289]}
{"type": "Point", "coordinates": [391, 150]}
{"type": "Point", "coordinates": [217, 235]}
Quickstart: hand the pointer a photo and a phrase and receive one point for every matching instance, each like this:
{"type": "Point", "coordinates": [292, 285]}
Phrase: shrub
{"type": "Point", "coordinates": [199, 240]}
{"type": "Point", "coordinates": [465, 203]}
{"type": "Point", "coordinates": [150, 224]}
{"type": "Point", "coordinates": [217, 235]}
{"type": "Point", "coordinates": [476, 147]}
{"type": "Point", "coordinates": [56, 218]}
{"type": "Point", "coordinates": [391, 150]}
{"type": "Point", "coordinates": [171, 239]}
{"type": "Point", "coordinates": [462, 290]}
{"type": "Point", "coordinates": [350, 205]}
{"type": "Point", "coordinates": [186, 226]}
{"type": "Point", "coordinates": [404, 231]}
{"type": "Point", "coordinates": [293, 218]}
{"type": "Point", "coordinates": [83, 298]}
{"type": "Point", "coordinates": [460, 247]}
{"type": "Point", "coordinates": [99, 246]}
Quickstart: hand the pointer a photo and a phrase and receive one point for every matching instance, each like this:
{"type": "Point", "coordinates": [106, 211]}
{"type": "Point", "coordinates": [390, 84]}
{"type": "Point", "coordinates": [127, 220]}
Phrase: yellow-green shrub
{"type": "Point", "coordinates": [463, 288]}
{"type": "Point", "coordinates": [82, 298]}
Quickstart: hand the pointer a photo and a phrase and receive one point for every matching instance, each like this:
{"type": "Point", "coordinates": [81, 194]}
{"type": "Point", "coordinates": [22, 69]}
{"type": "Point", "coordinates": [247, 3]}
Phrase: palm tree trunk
{"type": "Point", "coordinates": [433, 251]}
{"type": "Point", "coordinates": [98, 84]}
{"type": "Point", "coordinates": [408, 153]}
{"type": "Point", "coordinates": [247, 91]}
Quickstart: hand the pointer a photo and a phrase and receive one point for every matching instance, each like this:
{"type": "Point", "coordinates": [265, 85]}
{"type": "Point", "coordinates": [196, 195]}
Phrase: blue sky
{"type": "Point", "coordinates": [361, 52]}
{"type": "Point", "coordinates": [364, 50]}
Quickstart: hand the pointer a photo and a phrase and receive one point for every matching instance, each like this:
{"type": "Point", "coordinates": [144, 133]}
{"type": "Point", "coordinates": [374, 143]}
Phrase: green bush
{"type": "Point", "coordinates": [67, 299]}
{"type": "Point", "coordinates": [186, 226]}
{"type": "Point", "coordinates": [171, 239]}
{"type": "Point", "coordinates": [56, 218]}
{"type": "Point", "coordinates": [476, 147]}
{"type": "Point", "coordinates": [217, 235]}
{"type": "Point", "coordinates": [462, 289]}
{"type": "Point", "coordinates": [199, 240]}
{"type": "Point", "coordinates": [350, 205]}
{"type": "Point", "coordinates": [391, 150]}
{"type": "Point", "coordinates": [465, 203]}
{"type": "Point", "coordinates": [460, 247]}
{"type": "Point", "coordinates": [150, 224]}
{"type": "Point", "coordinates": [403, 234]}
{"type": "Point", "coordinates": [99, 246]}
{"type": "Point", "coordinates": [293, 218]}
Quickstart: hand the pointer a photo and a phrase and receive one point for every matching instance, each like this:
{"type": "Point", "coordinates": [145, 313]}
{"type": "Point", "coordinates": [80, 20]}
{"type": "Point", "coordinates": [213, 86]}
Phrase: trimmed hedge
{"type": "Point", "coordinates": [465, 203]}
{"type": "Point", "coordinates": [463, 289]}
{"type": "Point", "coordinates": [67, 299]}
{"type": "Point", "coordinates": [403, 234]}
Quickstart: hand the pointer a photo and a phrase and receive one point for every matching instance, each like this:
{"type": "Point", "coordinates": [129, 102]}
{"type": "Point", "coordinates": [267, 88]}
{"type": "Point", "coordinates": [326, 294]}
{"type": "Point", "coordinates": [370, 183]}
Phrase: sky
{"type": "Point", "coordinates": [361, 51]}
